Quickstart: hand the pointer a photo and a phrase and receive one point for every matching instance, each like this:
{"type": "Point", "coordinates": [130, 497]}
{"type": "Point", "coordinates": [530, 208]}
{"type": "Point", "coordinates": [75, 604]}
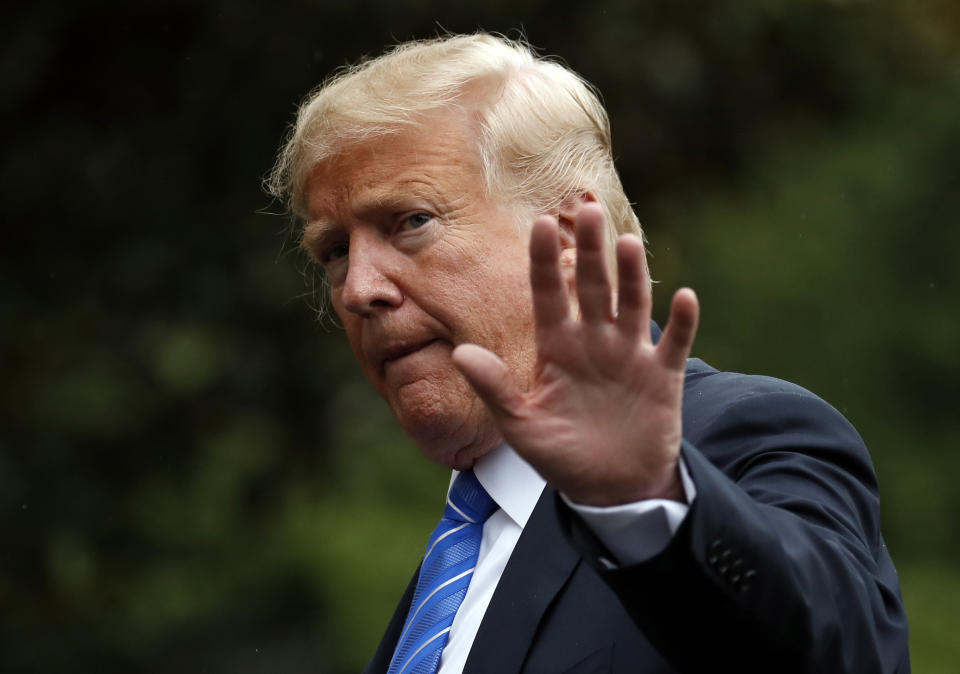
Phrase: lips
{"type": "Point", "coordinates": [398, 351]}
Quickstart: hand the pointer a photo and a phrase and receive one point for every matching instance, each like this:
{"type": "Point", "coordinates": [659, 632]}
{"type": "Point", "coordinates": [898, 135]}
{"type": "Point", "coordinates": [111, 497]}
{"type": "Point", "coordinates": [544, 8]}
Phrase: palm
{"type": "Point", "coordinates": [601, 420]}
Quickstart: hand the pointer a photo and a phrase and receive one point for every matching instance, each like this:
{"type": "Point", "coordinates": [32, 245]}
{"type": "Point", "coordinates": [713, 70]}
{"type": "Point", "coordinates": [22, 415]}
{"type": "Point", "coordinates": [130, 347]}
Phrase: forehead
{"type": "Point", "coordinates": [436, 157]}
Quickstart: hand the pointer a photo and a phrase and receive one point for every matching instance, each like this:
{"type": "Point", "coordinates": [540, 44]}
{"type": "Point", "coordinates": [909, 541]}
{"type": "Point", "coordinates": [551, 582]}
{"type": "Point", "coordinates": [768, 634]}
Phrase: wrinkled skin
{"type": "Point", "coordinates": [477, 329]}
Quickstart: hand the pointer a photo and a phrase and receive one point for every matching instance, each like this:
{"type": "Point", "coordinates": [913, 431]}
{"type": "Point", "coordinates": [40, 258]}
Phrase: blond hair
{"type": "Point", "coordinates": [544, 134]}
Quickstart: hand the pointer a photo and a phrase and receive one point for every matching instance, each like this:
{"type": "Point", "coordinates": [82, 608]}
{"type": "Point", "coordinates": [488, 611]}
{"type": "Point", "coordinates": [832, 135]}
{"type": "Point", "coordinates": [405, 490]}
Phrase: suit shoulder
{"type": "Point", "coordinates": [707, 389]}
{"type": "Point", "coordinates": [733, 417]}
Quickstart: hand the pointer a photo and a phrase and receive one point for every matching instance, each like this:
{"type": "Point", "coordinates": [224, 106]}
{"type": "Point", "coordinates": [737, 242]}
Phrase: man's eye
{"type": "Point", "coordinates": [417, 220]}
{"type": "Point", "coordinates": [336, 252]}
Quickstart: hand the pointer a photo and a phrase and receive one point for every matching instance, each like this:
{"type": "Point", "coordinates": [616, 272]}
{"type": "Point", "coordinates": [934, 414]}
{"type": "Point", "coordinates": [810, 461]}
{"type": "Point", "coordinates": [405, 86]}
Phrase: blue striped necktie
{"type": "Point", "coordinates": [444, 576]}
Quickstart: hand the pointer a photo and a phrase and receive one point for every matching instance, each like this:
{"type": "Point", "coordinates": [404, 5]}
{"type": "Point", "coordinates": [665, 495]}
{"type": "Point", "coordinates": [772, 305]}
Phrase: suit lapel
{"type": "Point", "coordinates": [540, 564]}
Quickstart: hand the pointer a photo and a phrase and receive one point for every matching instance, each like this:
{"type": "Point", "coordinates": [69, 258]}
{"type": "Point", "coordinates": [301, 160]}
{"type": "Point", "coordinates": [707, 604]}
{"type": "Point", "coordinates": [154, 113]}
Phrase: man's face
{"type": "Point", "coordinates": [419, 261]}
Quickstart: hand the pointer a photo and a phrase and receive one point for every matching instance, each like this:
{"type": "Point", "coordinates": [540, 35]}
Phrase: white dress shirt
{"type": "Point", "coordinates": [633, 532]}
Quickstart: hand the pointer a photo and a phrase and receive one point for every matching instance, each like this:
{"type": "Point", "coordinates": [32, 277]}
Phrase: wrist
{"type": "Point", "coordinates": [670, 488]}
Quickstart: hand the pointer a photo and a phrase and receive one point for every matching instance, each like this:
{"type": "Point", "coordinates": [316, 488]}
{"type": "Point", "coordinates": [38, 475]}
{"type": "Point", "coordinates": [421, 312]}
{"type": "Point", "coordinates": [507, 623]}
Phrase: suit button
{"type": "Point", "coordinates": [736, 571]}
{"type": "Point", "coordinates": [713, 551]}
{"type": "Point", "coordinates": [737, 566]}
{"type": "Point", "coordinates": [724, 564]}
{"type": "Point", "coordinates": [748, 576]}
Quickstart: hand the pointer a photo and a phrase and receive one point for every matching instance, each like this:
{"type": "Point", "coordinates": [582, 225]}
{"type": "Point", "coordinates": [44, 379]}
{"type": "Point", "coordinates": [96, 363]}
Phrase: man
{"type": "Point", "coordinates": [622, 508]}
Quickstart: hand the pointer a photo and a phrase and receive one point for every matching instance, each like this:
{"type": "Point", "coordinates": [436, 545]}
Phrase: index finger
{"type": "Point", "coordinates": [550, 303]}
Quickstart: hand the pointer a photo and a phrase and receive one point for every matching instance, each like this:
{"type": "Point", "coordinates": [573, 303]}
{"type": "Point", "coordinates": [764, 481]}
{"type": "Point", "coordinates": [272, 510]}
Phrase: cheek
{"type": "Point", "coordinates": [502, 310]}
{"type": "Point", "coordinates": [510, 300]}
{"type": "Point", "coordinates": [487, 296]}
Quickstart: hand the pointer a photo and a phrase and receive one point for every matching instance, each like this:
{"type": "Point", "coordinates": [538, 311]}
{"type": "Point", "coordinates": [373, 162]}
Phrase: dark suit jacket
{"type": "Point", "coordinates": [779, 565]}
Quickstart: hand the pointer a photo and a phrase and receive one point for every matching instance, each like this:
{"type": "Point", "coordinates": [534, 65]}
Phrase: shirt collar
{"type": "Point", "coordinates": [510, 481]}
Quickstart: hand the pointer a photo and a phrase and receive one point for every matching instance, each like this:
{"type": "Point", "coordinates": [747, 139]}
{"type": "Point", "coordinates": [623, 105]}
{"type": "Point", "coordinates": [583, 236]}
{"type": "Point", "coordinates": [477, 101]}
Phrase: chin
{"type": "Point", "coordinates": [450, 437]}
{"type": "Point", "coordinates": [462, 458]}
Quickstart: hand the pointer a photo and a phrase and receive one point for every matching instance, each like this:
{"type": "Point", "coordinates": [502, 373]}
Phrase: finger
{"type": "Point", "coordinates": [677, 340]}
{"type": "Point", "coordinates": [593, 282]}
{"type": "Point", "coordinates": [550, 302]}
{"type": "Point", "coordinates": [633, 287]}
{"type": "Point", "coordinates": [490, 378]}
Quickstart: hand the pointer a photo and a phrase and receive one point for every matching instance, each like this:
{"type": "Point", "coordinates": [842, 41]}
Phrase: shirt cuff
{"type": "Point", "coordinates": [636, 532]}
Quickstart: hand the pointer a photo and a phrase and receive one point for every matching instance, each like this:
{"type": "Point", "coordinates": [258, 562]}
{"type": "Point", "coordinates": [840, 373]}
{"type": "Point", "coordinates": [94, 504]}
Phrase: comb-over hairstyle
{"type": "Point", "coordinates": [544, 134]}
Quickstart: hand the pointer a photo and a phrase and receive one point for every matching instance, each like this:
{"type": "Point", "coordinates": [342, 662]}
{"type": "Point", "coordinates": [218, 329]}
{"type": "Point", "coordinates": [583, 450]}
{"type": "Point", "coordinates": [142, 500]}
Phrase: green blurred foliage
{"type": "Point", "coordinates": [193, 474]}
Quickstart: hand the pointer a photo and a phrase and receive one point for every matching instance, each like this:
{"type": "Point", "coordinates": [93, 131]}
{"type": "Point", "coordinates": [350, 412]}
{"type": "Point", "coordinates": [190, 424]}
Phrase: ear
{"type": "Point", "coordinates": [567, 218]}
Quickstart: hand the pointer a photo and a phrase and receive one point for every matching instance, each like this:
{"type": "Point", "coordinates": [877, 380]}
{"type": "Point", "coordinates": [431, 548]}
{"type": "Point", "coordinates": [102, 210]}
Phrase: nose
{"type": "Point", "coordinates": [368, 286]}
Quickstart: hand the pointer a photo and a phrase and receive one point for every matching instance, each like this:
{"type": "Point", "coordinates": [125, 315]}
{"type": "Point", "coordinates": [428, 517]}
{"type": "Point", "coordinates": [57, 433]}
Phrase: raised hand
{"type": "Point", "coordinates": [601, 419]}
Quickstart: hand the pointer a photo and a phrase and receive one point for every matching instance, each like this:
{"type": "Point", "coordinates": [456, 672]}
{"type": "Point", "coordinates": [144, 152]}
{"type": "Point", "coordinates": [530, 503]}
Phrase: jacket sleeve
{"type": "Point", "coordinates": [779, 564]}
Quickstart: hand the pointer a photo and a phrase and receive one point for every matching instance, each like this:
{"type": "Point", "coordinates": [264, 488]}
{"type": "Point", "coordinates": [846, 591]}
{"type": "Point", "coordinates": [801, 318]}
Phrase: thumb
{"type": "Point", "coordinates": [490, 378]}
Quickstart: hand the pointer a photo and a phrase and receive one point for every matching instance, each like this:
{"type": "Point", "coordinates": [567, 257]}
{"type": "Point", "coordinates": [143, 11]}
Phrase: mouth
{"type": "Point", "coordinates": [403, 350]}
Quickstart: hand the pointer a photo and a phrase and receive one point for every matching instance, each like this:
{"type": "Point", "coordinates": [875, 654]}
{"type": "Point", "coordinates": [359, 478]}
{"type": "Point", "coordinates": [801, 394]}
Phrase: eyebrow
{"type": "Point", "coordinates": [315, 234]}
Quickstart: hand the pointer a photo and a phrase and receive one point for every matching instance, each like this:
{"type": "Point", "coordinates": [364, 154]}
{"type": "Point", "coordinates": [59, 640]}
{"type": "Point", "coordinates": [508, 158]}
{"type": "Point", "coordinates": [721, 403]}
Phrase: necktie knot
{"type": "Point", "coordinates": [468, 501]}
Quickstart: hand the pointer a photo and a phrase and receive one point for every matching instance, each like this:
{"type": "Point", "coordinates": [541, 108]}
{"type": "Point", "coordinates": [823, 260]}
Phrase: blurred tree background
{"type": "Point", "coordinates": [193, 474]}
